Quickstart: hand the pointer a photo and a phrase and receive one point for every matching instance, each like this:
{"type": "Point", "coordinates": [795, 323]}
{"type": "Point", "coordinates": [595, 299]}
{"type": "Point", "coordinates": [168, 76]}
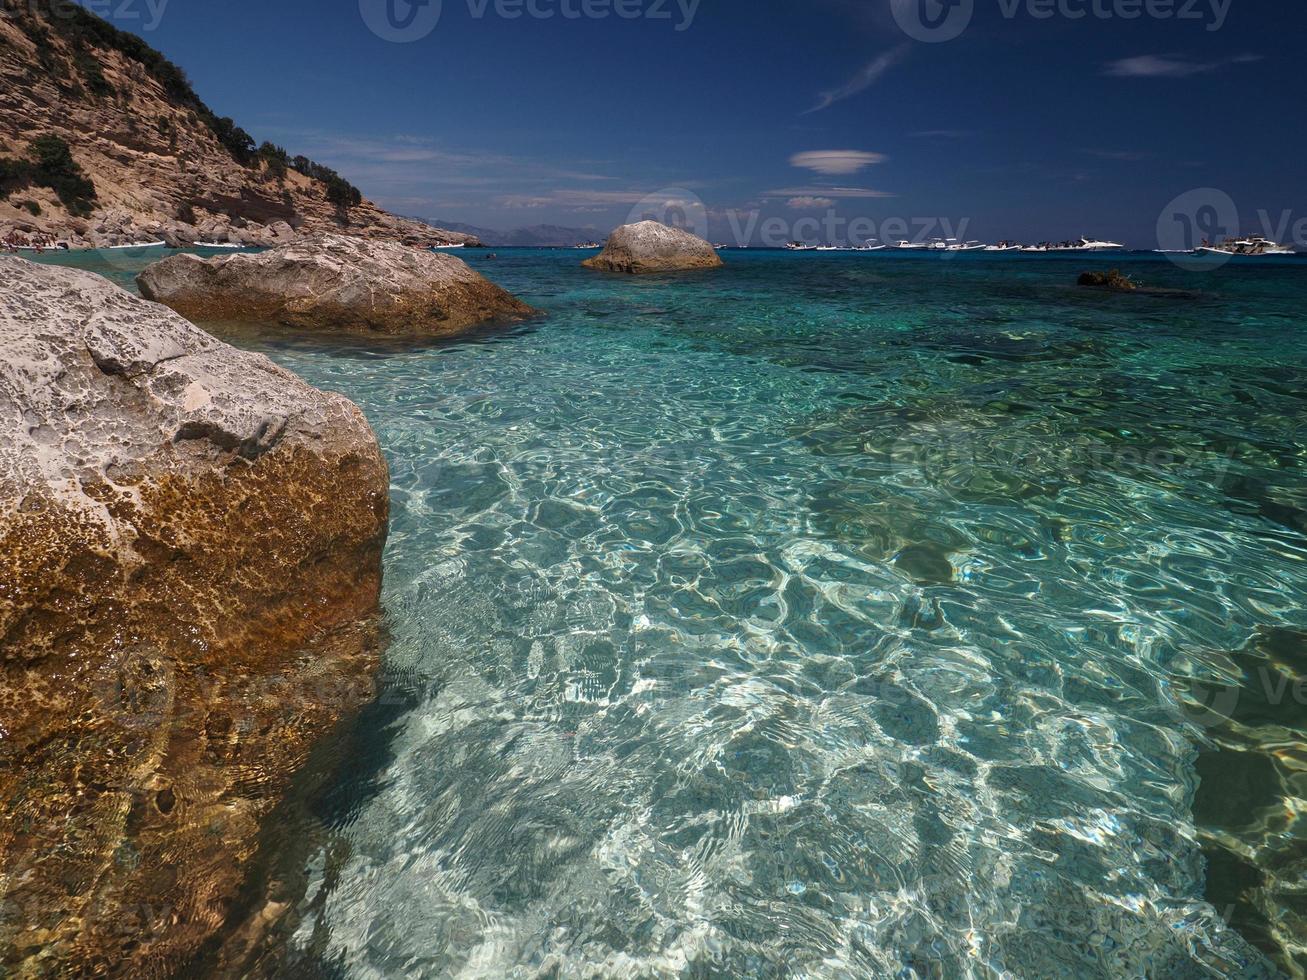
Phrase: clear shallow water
{"type": "Point", "coordinates": [827, 616]}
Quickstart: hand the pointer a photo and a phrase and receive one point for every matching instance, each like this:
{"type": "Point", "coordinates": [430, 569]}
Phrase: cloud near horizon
{"type": "Point", "coordinates": [809, 203]}
{"type": "Point", "coordinates": [836, 162]}
{"type": "Point", "coordinates": [1169, 66]}
{"type": "Point", "coordinates": [862, 80]}
{"type": "Point", "coordinates": [835, 192]}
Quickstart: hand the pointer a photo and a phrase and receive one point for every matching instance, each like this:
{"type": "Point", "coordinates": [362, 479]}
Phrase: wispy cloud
{"type": "Point", "coordinates": [1121, 156]}
{"type": "Point", "coordinates": [1170, 66]}
{"type": "Point", "coordinates": [942, 134]}
{"type": "Point", "coordinates": [836, 192]}
{"type": "Point", "coordinates": [862, 80]}
{"type": "Point", "coordinates": [809, 203]}
{"type": "Point", "coordinates": [836, 162]}
{"type": "Point", "coordinates": [587, 199]}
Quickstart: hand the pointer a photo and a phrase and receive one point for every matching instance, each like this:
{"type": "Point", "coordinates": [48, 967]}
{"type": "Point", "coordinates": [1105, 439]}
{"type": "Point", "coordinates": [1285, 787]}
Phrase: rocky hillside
{"type": "Point", "coordinates": [104, 142]}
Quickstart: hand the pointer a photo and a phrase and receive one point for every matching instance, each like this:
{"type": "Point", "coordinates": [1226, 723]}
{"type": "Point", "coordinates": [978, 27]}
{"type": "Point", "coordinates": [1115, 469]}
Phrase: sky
{"type": "Point", "coordinates": [1148, 122]}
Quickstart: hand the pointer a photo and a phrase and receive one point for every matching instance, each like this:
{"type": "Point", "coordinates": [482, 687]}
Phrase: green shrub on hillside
{"type": "Point", "coordinates": [51, 164]}
{"type": "Point", "coordinates": [91, 73]}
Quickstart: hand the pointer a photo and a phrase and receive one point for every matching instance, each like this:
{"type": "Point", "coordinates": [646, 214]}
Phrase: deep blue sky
{"type": "Point", "coordinates": [1025, 127]}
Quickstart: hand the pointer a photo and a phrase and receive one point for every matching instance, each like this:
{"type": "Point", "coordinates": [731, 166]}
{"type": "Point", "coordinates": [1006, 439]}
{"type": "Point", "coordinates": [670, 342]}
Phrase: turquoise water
{"type": "Point", "coordinates": [827, 615]}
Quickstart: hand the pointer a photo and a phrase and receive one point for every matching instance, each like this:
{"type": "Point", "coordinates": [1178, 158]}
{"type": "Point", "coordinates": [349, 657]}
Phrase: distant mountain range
{"type": "Point", "coordinates": [535, 235]}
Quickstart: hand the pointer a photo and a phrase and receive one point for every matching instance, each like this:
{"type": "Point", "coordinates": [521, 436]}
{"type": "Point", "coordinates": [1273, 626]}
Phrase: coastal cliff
{"type": "Point", "coordinates": [190, 570]}
{"type": "Point", "coordinates": [103, 142]}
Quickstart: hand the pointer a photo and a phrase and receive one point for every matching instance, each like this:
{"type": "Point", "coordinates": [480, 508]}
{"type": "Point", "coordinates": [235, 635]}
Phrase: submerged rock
{"type": "Point", "coordinates": [1114, 279]}
{"type": "Point", "coordinates": [334, 282]}
{"type": "Point", "coordinates": [653, 247]}
{"type": "Point", "coordinates": [1118, 282]}
{"type": "Point", "coordinates": [190, 564]}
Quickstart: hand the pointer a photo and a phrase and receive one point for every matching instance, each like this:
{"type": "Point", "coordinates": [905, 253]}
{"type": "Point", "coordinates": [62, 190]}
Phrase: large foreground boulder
{"type": "Point", "coordinates": [190, 563]}
{"type": "Point", "coordinates": [650, 246]}
{"type": "Point", "coordinates": [334, 282]}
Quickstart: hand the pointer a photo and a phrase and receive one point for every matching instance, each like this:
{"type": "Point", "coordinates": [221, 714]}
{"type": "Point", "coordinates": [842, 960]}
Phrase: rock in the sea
{"type": "Point", "coordinates": [190, 564]}
{"type": "Point", "coordinates": [650, 246]}
{"type": "Point", "coordinates": [334, 282]}
{"type": "Point", "coordinates": [1114, 279]}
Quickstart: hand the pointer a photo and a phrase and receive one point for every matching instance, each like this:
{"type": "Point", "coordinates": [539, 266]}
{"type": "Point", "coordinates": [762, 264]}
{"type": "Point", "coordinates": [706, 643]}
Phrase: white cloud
{"type": "Point", "coordinates": [835, 192]}
{"type": "Point", "coordinates": [836, 162]}
{"type": "Point", "coordinates": [809, 203]}
{"type": "Point", "coordinates": [1169, 66]}
{"type": "Point", "coordinates": [590, 199]}
{"type": "Point", "coordinates": [867, 76]}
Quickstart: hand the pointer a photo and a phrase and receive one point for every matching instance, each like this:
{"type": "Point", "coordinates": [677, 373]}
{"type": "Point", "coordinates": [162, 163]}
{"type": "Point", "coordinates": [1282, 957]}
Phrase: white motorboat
{"type": "Point", "coordinates": [966, 247]}
{"type": "Point", "coordinates": [913, 246]}
{"type": "Point", "coordinates": [1090, 245]}
{"type": "Point", "coordinates": [1245, 246]}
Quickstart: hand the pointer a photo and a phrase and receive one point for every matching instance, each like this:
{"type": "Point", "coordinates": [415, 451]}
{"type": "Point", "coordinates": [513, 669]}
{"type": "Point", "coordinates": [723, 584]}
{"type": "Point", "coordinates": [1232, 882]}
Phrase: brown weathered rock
{"type": "Point", "coordinates": [333, 282]}
{"type": "Point", "coordinates": [190, 564]}
{"type": "Point", "coordinates": [649, 246]}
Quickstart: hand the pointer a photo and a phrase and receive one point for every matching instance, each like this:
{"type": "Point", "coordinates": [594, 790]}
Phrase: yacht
{"type": "Point", "coordinates": [915, 246]}
{"type": "Point", "coordinates": [1088, 245]}
{"type": "Point", "coordinates": [1244, 246]}
{"type": "Point", "coordinates": [1083, 245]}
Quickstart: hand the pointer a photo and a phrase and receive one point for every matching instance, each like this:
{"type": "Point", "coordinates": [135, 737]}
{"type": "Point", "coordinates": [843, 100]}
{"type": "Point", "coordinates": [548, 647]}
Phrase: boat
{"type": "Point", "coordinates": [913, 246]}
{"type": "Point", "coordinates": [868, 247]}
{"type": "Point", "coordinates": [800, 247]}
{"type": "Point", "coordinates": [215, 245]}
{"type": "Point", "coordinates": [1083, 245]}
{"type": "Point", "coordinates": [1088, 245]}
{"type": "Point", "coordinates": [136, 245]}
{"type": "Point", "coordinates": [1244, 246]}
{"type": "Point", "coordinates": [966, 247]}
{"type": "Point", "coordinates": [1003, 247]}
{"type": "Point", "coordinates": [597, 245]}
{"type": "Point", "coordinates": [459, 245]}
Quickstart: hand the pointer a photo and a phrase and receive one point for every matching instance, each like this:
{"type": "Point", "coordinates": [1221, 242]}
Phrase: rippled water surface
{"type": "Point", "coordinates": [827, 616]}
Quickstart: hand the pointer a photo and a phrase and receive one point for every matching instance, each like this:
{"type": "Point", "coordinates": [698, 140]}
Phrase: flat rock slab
{"type": "Point", "coordinates": [334, 282]}
{"type": "Point", "coordinates": [650, 246]}
{"type": "Point", "coordinates": [190, 565]}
